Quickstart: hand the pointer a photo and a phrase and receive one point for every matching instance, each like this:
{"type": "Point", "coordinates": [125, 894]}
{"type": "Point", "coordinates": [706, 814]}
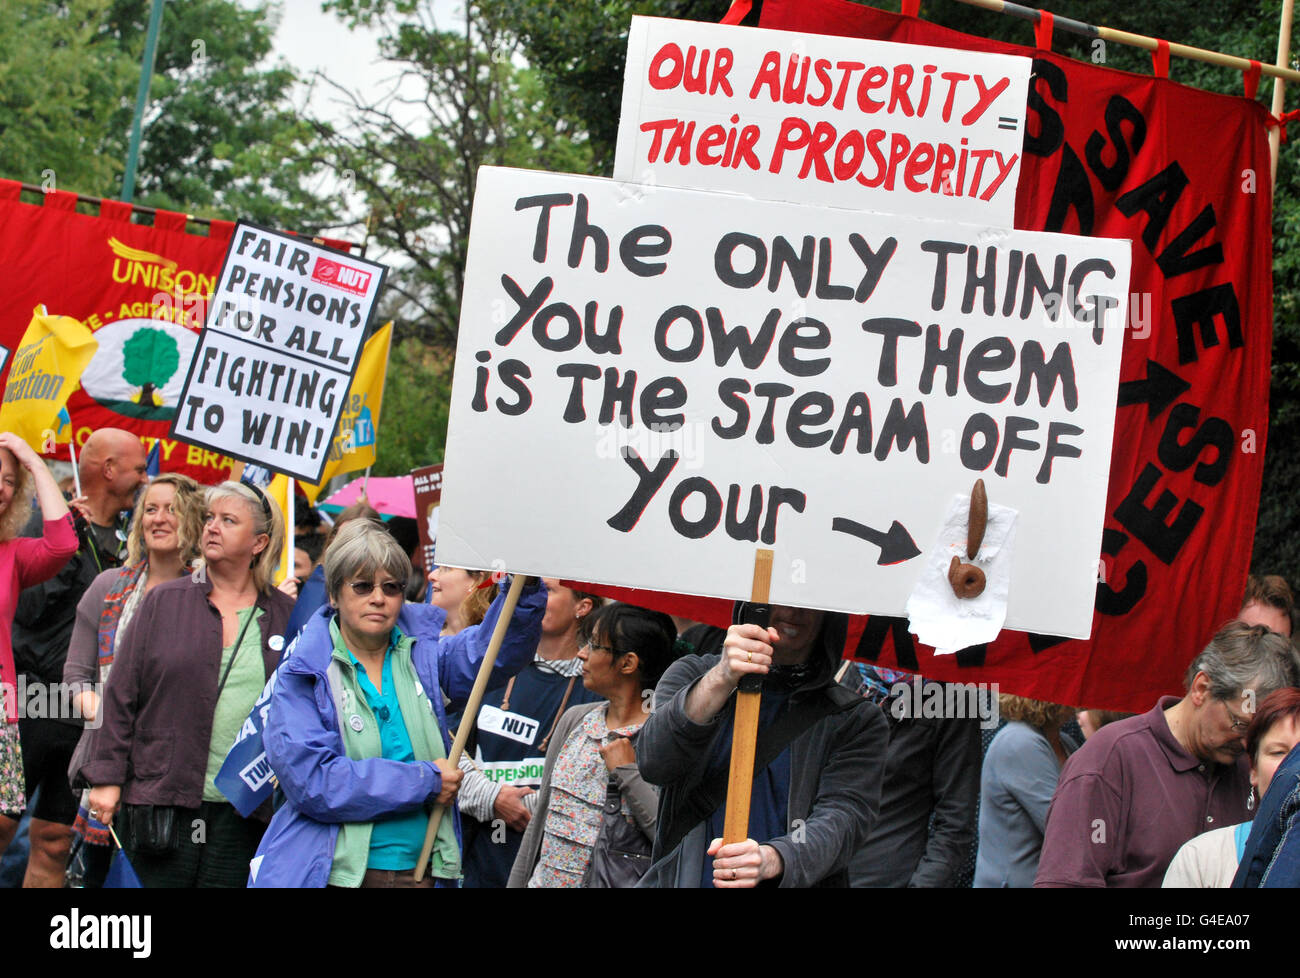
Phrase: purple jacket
{"type": "Point", "coordinates": [160, 698]}
{"type": "Point", "coordinates": [322, 785]}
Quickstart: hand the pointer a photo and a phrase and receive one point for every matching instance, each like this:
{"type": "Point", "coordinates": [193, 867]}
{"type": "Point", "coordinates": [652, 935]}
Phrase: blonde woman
{"type": "Point", "coordinates": [188, 670]}
{"type": "Point", "coordinates": [161, 545]}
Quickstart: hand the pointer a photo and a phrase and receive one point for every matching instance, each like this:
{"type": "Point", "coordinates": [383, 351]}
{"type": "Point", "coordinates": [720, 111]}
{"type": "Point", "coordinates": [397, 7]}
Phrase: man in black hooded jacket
{"type": "Point", "coordinates": [821, 758]}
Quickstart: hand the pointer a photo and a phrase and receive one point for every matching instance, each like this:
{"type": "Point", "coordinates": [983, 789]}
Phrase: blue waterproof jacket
{"type": "Point", "coordinates": [323, 787]}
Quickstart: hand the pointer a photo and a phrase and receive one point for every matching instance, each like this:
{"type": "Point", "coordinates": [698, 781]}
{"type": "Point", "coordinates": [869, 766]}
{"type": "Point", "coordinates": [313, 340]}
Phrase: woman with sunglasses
{"type": "Point", "coordinates": [595, 819]}
{"type": "Point", "coordinates": [357, 730]}
{"type": "Point", "coordinates": [188, 670]}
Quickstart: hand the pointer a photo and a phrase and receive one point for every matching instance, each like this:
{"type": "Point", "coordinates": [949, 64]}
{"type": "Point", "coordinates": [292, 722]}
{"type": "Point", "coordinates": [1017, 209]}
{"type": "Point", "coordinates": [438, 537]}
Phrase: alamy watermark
{"type": "Point", "coordinates": [50, 701]}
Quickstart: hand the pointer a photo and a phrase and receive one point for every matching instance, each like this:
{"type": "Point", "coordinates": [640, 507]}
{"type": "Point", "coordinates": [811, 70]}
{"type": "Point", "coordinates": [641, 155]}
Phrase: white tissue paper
{"type": "Point", "coordinates": [937, 616]}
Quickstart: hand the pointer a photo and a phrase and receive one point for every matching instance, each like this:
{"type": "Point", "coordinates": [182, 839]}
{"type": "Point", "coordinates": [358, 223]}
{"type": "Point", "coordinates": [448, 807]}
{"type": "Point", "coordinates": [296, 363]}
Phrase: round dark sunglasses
{"type": "Point", "coordinates": [391, 589]}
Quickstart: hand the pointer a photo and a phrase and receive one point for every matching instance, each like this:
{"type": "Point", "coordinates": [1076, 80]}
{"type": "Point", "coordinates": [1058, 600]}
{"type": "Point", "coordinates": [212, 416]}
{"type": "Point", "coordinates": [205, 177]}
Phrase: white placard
{"type": "Point", "coordinates": [867, 125]}
{"type": "Point", "coordinates": [280, 344]}
{"type": "Point", "coordinates": [830, 379]}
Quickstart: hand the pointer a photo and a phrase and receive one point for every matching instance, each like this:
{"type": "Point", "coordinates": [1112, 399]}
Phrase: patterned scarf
{"type": "Point", "coordinates": [114, 604]}
{"type": "Point", "coordinates": [120, 602]}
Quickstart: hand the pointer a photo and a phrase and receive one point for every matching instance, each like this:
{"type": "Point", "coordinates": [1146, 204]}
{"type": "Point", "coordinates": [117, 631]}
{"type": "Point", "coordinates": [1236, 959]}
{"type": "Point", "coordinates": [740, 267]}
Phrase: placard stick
{"type": "Point", "coordinates": [1279, 85]}
{"type": "Point", "coordinates": [1134, 40]}
{"type": "Point", "coordinates": [470, 717]}
{"type": "Point", "coordinates": [72, 453]}
{"type": "Point", "coordinates": [740, 782]}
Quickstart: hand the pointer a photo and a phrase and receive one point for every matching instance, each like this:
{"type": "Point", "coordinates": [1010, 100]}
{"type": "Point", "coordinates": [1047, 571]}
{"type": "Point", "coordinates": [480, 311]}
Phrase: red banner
{"type": "Point", "coordinates": [1184, 174]}
{"type": "Point", "coordinates": [142, 290]}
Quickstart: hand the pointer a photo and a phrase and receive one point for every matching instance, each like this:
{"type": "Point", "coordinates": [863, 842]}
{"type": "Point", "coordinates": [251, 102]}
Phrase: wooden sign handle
{"type": "Point", "coordinates": [470, 717]}
{"type": "Point", "coordinates": [740, 781]}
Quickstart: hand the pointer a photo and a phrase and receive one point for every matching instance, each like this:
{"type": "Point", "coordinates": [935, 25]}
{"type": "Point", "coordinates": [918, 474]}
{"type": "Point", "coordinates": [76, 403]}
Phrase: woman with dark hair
{"type": "Point", "coordinates": [24, 561]}
{"type": "Point", "coordinates": [595, 818]}
{"type": "Point", "coordinates": [1020, 773]}
{"type": "Point", "coordinates": [188, 671]}
{"type": "Point", "coordinates": [1210, 860]}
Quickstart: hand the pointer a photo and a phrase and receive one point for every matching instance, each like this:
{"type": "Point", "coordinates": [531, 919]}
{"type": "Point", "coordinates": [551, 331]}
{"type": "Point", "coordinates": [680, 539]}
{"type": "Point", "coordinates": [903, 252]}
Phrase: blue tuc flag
{"type": "Point", "coordinates": [121, 874]}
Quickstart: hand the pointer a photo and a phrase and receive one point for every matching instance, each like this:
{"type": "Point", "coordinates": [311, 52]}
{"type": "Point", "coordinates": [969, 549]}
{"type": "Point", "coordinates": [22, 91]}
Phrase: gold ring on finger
{"type": "Point", "coordinates": [749, 656]}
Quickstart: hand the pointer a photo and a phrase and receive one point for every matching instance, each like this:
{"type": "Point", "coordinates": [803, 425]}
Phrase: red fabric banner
{"type": "Point", "coordinates": [1184, 174]}
{"type": "Point", "coordinates": [140, 289]}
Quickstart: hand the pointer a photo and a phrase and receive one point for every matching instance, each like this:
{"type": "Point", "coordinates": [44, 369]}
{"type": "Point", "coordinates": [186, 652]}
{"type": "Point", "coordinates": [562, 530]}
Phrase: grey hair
{"type": "Point", "coordinates": [265, 563]}
{"type": "Point", "coordinates": [1242, 657]}
{"type": "Point", "coordinates": [361, 548]}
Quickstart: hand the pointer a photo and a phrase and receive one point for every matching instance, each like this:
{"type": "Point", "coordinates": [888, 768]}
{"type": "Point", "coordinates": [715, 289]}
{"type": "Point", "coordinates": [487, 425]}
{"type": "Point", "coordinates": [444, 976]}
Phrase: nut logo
{"type": "Point", "coordinates": [341, 276]}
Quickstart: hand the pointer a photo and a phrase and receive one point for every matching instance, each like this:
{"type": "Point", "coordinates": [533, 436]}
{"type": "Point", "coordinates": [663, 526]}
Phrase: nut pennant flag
{"type": "Point", "coordinates": [353, 446]}
{"type": "Point", "coordinates": [46, 367]}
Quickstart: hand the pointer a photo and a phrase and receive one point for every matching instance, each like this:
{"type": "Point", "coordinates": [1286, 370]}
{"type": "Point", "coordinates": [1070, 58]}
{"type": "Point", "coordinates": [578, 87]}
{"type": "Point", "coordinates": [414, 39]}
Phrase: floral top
{"type": "Point", "coordinates": [579, 783]}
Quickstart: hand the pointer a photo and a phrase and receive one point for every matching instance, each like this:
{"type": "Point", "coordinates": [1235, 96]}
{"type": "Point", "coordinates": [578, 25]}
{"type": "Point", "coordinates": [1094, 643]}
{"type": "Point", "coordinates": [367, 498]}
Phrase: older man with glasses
{"type": "Point", "coordinates": [1141, 787]}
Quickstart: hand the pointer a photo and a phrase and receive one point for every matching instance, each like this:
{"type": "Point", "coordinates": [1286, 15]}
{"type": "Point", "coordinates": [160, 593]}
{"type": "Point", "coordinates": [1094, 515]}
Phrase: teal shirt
{"type": "Point", "coordinates": [395, 842]}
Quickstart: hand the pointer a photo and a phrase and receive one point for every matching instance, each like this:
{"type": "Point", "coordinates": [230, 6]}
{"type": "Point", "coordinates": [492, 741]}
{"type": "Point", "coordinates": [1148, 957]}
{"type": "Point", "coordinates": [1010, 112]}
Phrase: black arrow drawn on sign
{"type": "Point", "coordinates": [1160, 389]}
{"type": "Point", "coordinates": [896, 544]}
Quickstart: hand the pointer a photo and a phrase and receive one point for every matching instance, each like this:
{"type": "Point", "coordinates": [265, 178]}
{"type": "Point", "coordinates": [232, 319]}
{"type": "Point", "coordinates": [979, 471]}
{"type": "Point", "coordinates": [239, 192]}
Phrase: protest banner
{"type": "Point", "coordinates": [141, 289]}
{"type": "Point", "coordinates": [1113, 154]}
{"type": "Point", "coordinates": [353, 446]}
{"type": "Point", "coordinates": [868, 125]}
{"type": "Point", "coordinates": [281, 342]}
{"type": "Point", "coordinates": [427, 481]}
{"type": "Point", "coordinates": [46, 369]}
{"type": "Point", "coordinates": [705, 372]}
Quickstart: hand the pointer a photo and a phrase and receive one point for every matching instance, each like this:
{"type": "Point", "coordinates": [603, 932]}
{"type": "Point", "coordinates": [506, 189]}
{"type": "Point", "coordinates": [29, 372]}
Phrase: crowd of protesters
{"type": "Point", "coordinates": [600, 754]}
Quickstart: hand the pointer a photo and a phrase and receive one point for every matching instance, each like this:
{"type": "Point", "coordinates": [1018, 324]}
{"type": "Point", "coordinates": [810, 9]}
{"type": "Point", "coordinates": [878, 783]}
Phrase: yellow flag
{"type": "Point", "coordinates": [277, 490]}
{"type": "Point", "coordinates": [353, 447]}
{"type": "Point", "coordinates": [46, 369]}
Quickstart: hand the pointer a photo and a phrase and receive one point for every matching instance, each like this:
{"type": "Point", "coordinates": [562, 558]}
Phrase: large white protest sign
{"type": "Point", "coordinates": [648, 389]}
{"type": "Point", "coordinates": [280, 344]}
{"type": "Point", "coordinates": [868, 125]}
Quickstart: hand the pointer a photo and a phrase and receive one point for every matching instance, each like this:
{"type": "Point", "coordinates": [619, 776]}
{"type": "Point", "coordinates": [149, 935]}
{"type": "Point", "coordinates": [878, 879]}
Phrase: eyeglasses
{"type": "Point", "coordinates": [1239, 724]}
{"type": "Point", "coordinates": [391, 589]}
{"type": "Point", "coordinates": [589, 644]}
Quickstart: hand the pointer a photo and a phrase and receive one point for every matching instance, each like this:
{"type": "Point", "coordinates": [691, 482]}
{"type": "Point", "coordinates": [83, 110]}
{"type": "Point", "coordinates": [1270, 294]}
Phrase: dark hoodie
{"type": "Point", "coordinates": [837, 762]}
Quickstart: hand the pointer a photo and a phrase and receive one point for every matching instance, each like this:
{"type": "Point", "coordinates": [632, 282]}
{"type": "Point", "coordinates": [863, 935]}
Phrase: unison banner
{"type": "Point", "coordinates": [141, 290]}
{"type": "Point", "coordinates": [1184, 174]}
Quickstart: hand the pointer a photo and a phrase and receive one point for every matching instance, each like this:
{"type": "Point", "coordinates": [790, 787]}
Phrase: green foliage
{"type": "Point", "coordinates": [58, 84]}
{"type": "Point", "coordinates": [413, 424]}
{"type": "Point", "coordinates": [221, 136]}
{"type": "Point", "coordinates": [462, 103]}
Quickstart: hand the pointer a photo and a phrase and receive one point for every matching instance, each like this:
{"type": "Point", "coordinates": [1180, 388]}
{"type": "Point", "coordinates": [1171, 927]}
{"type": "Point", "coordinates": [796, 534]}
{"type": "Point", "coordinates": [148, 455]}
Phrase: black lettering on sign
{"type": "Point", "coordinates": [1071, 191]}
{"type": "Point", "coordinates": [574, 409]}
{"type": "Point", "coordinates": [872, 642]}
{"type": "Point", "coordinates": [1214, 433]}
{"type": "Point", "coordinates": [1199, 310]}
{"type": "Point", "coordinates": [1119, 111]}
{"type": "Point", "coordinates": [1150, 524]}
{"type": "Point", "coordinates": [1110, 601]}
{"type": "Point", "coordinates": [649, 482]}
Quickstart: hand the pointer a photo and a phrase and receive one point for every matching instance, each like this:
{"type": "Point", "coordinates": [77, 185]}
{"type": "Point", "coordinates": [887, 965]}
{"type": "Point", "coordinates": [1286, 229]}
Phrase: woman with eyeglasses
{"type": "Point", "coordinates": [595, 819]}
{"type": "Point", "coordinates": [357, 730]}
{"type": "Point", "coordinates": [188, 670]}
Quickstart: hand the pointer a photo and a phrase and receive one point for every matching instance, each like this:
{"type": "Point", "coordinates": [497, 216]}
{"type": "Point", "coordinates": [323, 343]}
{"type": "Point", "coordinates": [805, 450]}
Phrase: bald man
{"type": "Point", "coordinates": [112, 470]}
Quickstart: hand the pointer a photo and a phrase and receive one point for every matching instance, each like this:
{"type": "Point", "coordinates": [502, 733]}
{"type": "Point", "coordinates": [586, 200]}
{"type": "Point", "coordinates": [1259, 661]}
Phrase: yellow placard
{"type": "Point", "coordinates": [353, 447]}
{"type": "Point", "coordinates": [46, 369]}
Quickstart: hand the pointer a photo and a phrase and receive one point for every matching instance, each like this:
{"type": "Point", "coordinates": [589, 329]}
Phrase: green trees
{"type": "Point", "coordinates": [221, 136]}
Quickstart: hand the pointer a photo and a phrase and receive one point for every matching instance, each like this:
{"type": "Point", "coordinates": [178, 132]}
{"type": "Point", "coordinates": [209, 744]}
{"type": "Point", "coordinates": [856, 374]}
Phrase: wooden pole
{"type": "Point", "coordinates": [470, 717]}
{"type": "Point", "coordinates": [1279, 87]}
{"type": "Point", "coordinates": [1137, 40]}
{"type": "Point", "coordinates": [749, 696]}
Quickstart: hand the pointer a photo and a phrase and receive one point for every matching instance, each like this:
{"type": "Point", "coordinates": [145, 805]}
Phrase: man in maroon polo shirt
{"type": "Point", "coordinates": [1139, 788]}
